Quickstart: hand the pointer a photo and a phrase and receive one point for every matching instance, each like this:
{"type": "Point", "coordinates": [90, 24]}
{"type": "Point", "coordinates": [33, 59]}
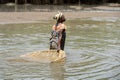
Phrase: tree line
{"type": "Point", "coordinates": [59, 2]}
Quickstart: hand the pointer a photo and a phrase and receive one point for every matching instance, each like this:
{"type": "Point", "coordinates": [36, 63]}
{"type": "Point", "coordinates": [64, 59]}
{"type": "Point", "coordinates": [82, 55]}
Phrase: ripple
{"type": "Point", "coordinates": [93, 66]}
{"type": "Point", "coordinates": [92, 48]}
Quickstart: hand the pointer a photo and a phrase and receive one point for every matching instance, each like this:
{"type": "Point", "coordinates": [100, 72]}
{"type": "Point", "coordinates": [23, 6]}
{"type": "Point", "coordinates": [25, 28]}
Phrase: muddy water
{"type": "Point", "coordinates": [11, 7]}
{"type": "Point", "coordinates": [92, 48]}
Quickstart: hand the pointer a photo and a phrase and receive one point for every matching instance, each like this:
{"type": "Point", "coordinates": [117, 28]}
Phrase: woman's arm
{"type": "Point", "coordinates": [60, 35]}
{"type": "Point", "coordinates": [59, 39]}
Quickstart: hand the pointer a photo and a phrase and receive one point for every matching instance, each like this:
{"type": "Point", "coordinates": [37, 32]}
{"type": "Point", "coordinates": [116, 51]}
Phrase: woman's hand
{"type": "Point", "coordinates": [58, 49]}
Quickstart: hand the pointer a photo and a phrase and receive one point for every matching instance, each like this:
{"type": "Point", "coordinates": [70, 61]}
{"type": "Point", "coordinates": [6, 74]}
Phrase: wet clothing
{"type": "Point", "coordinates": [62, 42]}
{"type": "Point", "coordinates": [55, 38]}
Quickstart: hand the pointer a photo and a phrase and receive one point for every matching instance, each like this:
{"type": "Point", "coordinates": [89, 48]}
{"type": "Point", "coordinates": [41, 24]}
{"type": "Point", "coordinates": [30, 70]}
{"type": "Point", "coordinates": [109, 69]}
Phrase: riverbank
{"type": "Point", "coordinates": [36, 17]}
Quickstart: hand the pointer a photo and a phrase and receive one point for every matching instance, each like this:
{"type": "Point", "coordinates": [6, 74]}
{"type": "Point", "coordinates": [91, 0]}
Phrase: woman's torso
{"type": "Point", "coordinates": [59, 27]}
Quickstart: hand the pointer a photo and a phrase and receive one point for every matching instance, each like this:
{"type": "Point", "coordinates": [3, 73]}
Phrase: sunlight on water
{"type": "Point", "coordinates": [92, 48]}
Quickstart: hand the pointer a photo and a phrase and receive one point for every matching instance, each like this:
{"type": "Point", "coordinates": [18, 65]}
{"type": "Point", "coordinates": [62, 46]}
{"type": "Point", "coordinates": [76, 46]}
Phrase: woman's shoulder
{"type": "Point", "coordinates": [63, 26]}
{"type": "Point", "coordinates": [59, 27]}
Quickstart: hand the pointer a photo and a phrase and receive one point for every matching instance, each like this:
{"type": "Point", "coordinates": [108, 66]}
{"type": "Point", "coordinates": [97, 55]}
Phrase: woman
{"type": "Point", "coordinates": [60, 29]}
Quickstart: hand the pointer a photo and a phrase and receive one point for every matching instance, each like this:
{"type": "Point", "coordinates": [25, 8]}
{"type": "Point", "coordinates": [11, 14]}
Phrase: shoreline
{"type": "Point", "coordinates": [37, 17]}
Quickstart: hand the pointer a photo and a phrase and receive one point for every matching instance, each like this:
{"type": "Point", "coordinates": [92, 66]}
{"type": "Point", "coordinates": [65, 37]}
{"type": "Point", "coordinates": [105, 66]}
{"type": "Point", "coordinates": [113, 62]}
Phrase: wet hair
{"type": "Point", "coordinates": [61, 19]}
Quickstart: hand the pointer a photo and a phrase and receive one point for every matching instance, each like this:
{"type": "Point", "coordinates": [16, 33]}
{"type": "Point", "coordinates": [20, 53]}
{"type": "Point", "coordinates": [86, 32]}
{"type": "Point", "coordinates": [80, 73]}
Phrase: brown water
{"type": "Point", "coordinates": [11, 7]}
{"type": "Point", "coordinates": [29, 7]}
{"type": "Point", "coordinates": [92, 48]}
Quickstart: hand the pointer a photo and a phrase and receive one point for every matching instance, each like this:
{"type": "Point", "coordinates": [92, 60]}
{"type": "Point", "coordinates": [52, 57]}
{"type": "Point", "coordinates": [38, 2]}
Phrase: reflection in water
{"type": "Point", "coordinates": [92, 48]}
{"type": "Point", "coordinates": [57, 71]}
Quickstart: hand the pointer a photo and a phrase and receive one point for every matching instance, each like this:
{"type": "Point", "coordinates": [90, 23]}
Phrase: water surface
{"type": "Point", "coordinates": [92, 48]}
{"type": "Point", "coordinates": [11, 7]}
